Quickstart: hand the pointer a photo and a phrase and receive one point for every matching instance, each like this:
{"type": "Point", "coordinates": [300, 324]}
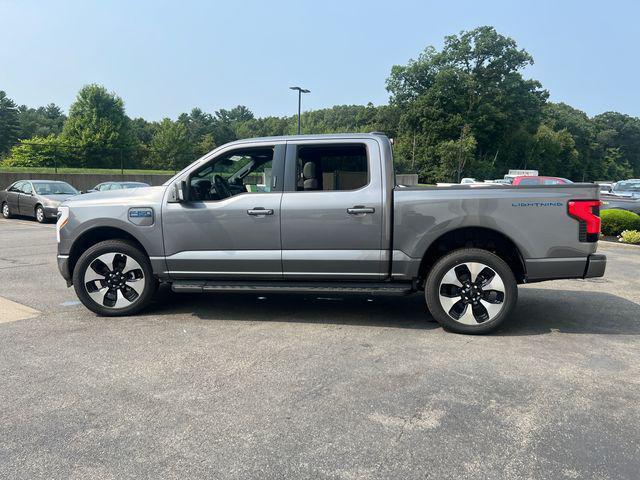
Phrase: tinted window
{"type": "Point", "coordinates": [330, 168]}
{"type": "Point", "coordinates": [115, 186]}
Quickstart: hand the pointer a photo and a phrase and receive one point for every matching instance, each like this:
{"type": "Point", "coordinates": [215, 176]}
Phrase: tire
{"type": "Point", "coordinates": [39, 214]}
{"type": "Point", "coordinates": [471, 291]}
{"type": "Point", "coordinates": [114, 278]}
{"type": "Point", "coordinates": [6, 213]}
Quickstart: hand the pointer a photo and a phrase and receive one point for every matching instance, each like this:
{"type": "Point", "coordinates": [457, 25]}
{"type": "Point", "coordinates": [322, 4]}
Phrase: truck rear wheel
{"type": "Point", "coordinates": [471, 291]}
{"type": "Point", "coordinates": [114, 278]}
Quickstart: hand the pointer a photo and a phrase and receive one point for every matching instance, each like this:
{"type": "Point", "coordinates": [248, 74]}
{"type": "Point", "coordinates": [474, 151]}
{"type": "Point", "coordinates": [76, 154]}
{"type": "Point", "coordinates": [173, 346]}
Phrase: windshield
{"type": "Point", "coordinates": [627, 186]}
{"type": "Point", "coordinates": [54, 188]}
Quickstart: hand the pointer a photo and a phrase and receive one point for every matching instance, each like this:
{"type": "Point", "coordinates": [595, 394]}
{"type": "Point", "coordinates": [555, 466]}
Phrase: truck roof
{"type": "Point", "coordinates": [324, 136]}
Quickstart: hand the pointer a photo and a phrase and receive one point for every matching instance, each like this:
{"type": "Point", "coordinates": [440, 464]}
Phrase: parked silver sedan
{"type": "Point", "coordinates": [35, 198]}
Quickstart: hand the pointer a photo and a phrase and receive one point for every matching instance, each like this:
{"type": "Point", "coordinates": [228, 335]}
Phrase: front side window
{"type": "Point", "coordinates": [27, 188]}
{"type": "Point", "coordinates": [332, 168]}
{"type": "Point", "coordinates": [234, 173]}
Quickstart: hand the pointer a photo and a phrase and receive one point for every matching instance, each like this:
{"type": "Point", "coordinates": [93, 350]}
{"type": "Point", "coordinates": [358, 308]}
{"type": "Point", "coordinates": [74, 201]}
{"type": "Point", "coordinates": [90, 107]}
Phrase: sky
{"type": "Point", "coordinates": [165, 57]}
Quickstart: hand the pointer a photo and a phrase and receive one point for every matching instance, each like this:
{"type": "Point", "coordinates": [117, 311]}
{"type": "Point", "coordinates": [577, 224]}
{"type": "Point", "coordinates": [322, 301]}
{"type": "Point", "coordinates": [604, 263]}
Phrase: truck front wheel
{"type": "Point", "coordinates": [114, 278]}
{"type": "Point", "coordinates": [471, 291]}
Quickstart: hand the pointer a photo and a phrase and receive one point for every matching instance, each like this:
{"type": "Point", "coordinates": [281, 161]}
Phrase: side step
{"type": "Point", "coordinates": [378, 288]}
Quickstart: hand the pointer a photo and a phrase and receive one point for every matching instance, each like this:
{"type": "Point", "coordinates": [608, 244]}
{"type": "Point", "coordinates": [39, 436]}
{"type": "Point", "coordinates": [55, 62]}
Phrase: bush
{"type": "Point", "coordinates": [614, 222]}
{"type": "Point", "coordinates": [630, 236]}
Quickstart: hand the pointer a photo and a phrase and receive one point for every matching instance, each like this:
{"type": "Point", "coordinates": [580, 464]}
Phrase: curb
{"type": "Point", "coordinates": [609, 241]}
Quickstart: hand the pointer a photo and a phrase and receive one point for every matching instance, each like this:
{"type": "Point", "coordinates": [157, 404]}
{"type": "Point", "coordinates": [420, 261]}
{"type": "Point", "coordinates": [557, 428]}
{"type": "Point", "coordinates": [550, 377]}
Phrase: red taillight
{"type": "Point", "coordinates": [587, 212]}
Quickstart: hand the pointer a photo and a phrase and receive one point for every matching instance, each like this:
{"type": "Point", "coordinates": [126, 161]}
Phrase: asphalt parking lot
{"type": "Point", "coordinates": [293, 386]}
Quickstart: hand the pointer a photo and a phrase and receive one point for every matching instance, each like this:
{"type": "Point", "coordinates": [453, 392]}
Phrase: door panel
{"type": "Point", "coordinates": [27, 200]}
{"type": "Point", "coordinates": [217, 239]}
{"type": "Point", "coordinates": [332, 234]}
{"type": "Point", "coordinates": [234, 237]}
{"type": "Point", "coordinates": [13, 196]}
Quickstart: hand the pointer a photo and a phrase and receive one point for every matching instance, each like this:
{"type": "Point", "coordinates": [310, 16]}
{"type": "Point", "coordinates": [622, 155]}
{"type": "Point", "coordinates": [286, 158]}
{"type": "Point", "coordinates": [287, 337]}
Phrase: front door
{"type": "Point", "coordinates": [230, 227]}
{"type": "Point", "coordinates": [332, 211]}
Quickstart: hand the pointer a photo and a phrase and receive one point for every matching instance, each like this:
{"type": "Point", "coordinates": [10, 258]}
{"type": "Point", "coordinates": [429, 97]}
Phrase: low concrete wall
{"type": "Point", "coordinates": [82, 181]}
{"type": "Point", "coordinates": [407, 179]}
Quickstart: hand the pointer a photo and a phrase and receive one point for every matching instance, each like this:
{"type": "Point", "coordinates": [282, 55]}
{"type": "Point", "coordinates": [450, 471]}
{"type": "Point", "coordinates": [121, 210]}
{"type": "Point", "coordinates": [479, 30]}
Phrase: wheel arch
{"type": "Point", "coordinates": [97, 235]}
{"type": "Point", "coordinates": [474, 237]}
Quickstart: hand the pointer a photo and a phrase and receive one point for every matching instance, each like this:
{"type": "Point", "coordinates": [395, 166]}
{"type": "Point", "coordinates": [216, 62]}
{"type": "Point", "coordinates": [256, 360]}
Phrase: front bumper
{"type": "Point", "coordinates": [63, 266]}
{"type": "Point", "coordinates": [540, 269]}
{"type": "Point", "coordinates": [51, 212]}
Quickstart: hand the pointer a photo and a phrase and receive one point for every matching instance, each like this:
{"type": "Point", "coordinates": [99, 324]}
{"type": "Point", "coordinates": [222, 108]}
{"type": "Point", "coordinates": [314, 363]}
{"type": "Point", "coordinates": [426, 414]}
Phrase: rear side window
{"type": "Point", "coordinates": [331, 168]}
{"type": "Point", "coordinates": [16, 187]}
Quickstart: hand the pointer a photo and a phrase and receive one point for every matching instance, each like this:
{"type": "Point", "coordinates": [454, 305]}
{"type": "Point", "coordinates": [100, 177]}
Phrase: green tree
{"type": "Point", "coordinates": [170, 146]}
{"type": "Point", "coordinates": [9, 123]}
{"type": "Point", "coordinates": [41, 121]}
{"type": "Point", "coordinates": [50, 151]}
{"type": "Point", "coordinates": [624, 135]}
{"type": "Point", "coordinates": [98, 124]}
{"type": "Point", "coordinates": [554, 153]}
{"type": "Point", "coordinates": [474, 81]}
{"type": "Point", "coordinates": [455, 157]}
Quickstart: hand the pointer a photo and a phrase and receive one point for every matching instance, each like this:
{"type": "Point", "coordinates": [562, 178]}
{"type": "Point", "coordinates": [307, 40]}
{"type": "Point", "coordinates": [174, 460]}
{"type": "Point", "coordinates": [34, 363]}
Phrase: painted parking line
{"type": "Point", "coordinates": [12, 311]}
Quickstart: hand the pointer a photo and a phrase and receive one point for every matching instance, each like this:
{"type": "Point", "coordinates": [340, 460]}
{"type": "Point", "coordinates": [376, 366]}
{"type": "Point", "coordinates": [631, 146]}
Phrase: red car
{"type": "Point", "coordinates": [525, 180]}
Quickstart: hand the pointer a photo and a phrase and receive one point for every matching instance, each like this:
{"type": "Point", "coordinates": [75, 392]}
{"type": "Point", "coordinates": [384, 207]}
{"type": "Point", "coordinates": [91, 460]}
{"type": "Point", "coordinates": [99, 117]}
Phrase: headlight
{"type": "Point", "coordinates": [63, 218]}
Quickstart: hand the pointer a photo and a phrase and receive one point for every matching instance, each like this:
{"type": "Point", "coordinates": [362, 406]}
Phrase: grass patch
{"type": "Point", "coordinates": [87, 171]}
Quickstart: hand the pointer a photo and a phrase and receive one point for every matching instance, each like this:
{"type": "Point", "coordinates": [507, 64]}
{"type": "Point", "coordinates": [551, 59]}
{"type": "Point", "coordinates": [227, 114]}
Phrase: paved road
{"type": "Point", "coordinates": [288, 386]}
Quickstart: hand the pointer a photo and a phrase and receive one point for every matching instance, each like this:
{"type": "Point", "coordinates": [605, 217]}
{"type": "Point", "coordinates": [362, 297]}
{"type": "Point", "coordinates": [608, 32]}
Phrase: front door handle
{"type": "Point", "coordinates": [360, 210]}
{"type": "Point", "coordinates": [259, 211]}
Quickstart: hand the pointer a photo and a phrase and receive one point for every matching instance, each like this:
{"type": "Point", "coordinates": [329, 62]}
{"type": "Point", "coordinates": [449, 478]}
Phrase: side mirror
{"type": "Point", "coordinates": [182, 191]}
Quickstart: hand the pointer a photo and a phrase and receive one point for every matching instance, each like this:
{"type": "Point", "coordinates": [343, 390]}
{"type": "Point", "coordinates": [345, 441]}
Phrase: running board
{"type": "Point", "coordinates": [378, 288]}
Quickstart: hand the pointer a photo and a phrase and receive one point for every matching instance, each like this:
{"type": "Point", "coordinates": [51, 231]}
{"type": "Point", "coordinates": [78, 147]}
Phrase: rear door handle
{"type": "Point", "coordinates": [360, 210]}
{"type": "Point", "coordinates": [259, 211]}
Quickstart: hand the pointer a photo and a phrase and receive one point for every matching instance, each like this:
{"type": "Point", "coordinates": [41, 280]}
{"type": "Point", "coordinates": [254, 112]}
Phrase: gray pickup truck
{"type": "Point", "coordinates": [322, 213]}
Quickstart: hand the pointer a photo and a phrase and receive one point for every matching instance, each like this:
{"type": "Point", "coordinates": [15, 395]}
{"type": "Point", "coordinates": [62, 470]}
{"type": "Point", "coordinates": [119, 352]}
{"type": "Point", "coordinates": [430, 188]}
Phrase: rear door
{"type": "Point", "coordinates": [13, 196]}
{"type": "Point", "coordinates": [332, 215]}
{"type": "Point", "coordinates": [27, 200]}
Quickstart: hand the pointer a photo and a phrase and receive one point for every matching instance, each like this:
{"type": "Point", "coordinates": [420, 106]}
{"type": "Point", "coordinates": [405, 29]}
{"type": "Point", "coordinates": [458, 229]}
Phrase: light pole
{"type": "Point", "coordinates": [300, 92]}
